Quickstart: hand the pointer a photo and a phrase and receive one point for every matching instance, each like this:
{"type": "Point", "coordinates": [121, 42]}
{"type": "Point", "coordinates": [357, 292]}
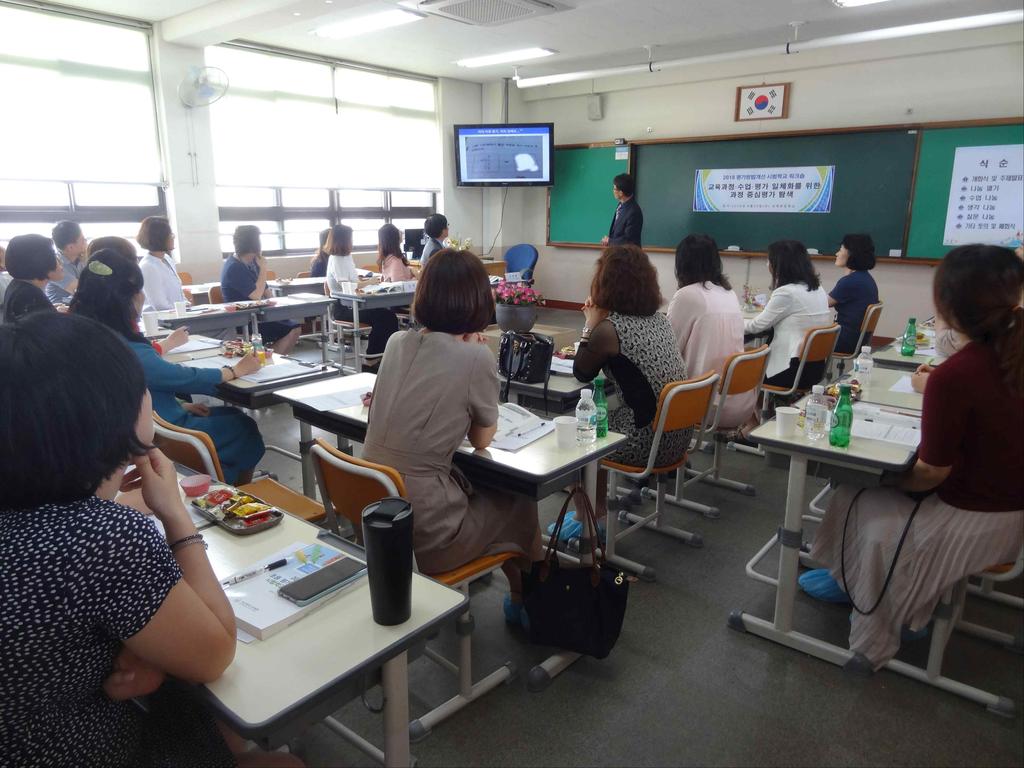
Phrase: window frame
{"type": "Point", "coordinates": [334, 213]}
{"type": "Point", "coordinates": [83, 214]}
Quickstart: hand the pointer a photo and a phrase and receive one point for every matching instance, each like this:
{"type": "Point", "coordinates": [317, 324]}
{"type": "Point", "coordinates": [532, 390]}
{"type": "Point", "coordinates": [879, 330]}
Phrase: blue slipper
{"type": "Point", "coordinates": [820, 585]}
{"type": "Point", "coordinates": [573, 528]}
{"type": "Point", "coordinates": [515, 613]}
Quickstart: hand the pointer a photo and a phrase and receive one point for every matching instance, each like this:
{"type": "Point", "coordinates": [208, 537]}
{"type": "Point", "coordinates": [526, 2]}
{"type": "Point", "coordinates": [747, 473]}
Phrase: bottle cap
{"type": "Point", "coordinates": [844, 388]}
{"type": "Point", "coordinates": [818, 389]}
{"type": "Point", "coordinates": [866, 349]}
{"type": "Point", "coordinates": [586, 394]}
{"type": "Point", "coordinates": [912, 320]}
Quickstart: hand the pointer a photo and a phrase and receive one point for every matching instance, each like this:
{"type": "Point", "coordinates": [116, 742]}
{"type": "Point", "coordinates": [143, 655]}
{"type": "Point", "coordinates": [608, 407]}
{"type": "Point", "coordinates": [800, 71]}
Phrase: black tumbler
{"type": "Point", "coordinates": [387, 536]}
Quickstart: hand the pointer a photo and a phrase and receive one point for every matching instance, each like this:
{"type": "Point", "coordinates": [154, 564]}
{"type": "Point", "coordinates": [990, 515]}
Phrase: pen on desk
{"type": "Point", "coordinates": [256, 572]}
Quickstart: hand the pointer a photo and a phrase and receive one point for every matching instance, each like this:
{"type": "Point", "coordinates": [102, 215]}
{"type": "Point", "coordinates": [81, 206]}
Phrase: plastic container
{"type": "Point", "coordinates": [195, 485]}
{"type": "Point", "coordinates": [842, 419]}
{"type": "Point", "coordinates": [586, 419]}
{"type": "Point", "coordinates": [863, 366]}
{"type": "Point", "coordinates": [908, 345]}
{"type": "Point", "coordinates": [816, 416]}
{"type": "Point", "coordinates": [602, 407]}
{"type": "Point", "coordinates": [387, 537]}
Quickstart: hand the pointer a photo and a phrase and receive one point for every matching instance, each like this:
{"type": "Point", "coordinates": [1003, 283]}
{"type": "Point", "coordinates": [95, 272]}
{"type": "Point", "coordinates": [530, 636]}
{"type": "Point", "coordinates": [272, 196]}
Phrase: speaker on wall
{"type": "Point", "coordinates": [594, 111]}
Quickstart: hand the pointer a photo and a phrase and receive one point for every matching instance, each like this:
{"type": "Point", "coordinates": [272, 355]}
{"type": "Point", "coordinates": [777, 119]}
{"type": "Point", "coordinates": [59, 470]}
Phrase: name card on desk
{"type": "Point", "coordinates": [513, 277]}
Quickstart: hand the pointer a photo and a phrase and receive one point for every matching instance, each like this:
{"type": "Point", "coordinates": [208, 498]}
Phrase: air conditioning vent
{"type": "Point", "coordinates": [489, 13]}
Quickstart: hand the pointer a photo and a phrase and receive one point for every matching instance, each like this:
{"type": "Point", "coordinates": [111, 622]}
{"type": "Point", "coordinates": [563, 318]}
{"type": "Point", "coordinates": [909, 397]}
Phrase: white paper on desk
{"type": "Point", "coordinates": [903, 385]}
{"type": "Point", "coordinates": [197, 344]}
{"type": "Point", "coordinates": [515, 442]}
{"type": "Point", "coordinates": [278, 371]}
{"type": "Point", "coordinates": [559, 365]}
{"type": "Point", "coordinates": [216, 361]}
{"type": "Point", "coordinates": [927, 352]}
{"type": "Point", "coordinates": [336, 400]}
{"type": "Point", "coordinates": [887, 432]}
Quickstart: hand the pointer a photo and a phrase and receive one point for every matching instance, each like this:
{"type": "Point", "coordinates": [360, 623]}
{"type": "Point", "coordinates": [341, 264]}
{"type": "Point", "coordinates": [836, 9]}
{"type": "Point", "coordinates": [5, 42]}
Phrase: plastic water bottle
{"type": "Point", "coordinates": [908, 345]}
{"type": "Point", "coordinates": [586, 419]}
{"type": "Point", "coordinates": [842, 419]}
{"type": "Point", "coordinates": [816, 416]}
{"type": "Point", "coordinates": [258, 349]}
{"type": "Point", "coordinates": [862, 366]}
{"type": "Point", "coordinates": [602, 407]}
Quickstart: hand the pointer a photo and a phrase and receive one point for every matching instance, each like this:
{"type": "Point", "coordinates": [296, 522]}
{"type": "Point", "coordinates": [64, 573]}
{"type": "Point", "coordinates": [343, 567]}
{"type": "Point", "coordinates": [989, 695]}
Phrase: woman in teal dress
{"type": "Point", "coordinates": [110, 291]}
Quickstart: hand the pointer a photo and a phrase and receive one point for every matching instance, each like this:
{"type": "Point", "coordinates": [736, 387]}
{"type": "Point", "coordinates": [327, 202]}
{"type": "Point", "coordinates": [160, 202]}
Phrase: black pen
{"type": "Point", "coordinates": [256, 572]}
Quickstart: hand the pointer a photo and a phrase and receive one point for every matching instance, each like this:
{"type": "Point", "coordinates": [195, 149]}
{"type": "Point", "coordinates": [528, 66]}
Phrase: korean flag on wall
{"type": "Point", "coordinates": [762, 102]}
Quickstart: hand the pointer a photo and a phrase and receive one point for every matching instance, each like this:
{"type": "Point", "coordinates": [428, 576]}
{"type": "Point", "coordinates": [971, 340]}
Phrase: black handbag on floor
{"type": "Point", "coordinates": [576, 609]}
{"type": "Point", "coordinates": [525, 357]}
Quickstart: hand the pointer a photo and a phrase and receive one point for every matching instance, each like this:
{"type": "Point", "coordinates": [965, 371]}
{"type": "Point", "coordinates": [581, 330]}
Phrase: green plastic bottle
{"type": "Point", "coordinates": [909, 344]}
{"type": "Point", "coordinates": [842, 419]}
{"type": "Point", "coordinates": [602, 407]}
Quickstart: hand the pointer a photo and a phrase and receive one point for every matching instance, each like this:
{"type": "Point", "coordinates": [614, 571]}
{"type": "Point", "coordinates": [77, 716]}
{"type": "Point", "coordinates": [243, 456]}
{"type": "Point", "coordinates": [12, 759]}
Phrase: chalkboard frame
{"type": "Point", "coordinates": [741, 136]}
{"type": "Point", "coordinates": [547, 223]}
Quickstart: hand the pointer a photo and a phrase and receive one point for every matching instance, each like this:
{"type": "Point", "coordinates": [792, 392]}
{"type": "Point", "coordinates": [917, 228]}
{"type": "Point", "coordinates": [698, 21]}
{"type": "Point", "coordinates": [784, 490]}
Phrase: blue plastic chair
{"type": "Point", "coordinates": [521, 258]}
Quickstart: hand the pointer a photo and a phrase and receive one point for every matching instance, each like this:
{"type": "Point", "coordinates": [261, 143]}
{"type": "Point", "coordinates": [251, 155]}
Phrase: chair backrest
{"type": "Point", "coordinates": [742, 372]}
{"type": "Point", "coordinates": [185, 277]}
{"type": "Point", "coordinates": [817, 347]}
{"type": "Point", "coordinates": [271, 274]}
{"type": "Point", "coordinates": [868, 325]}
{"type": "Point", "coordinates": [348, 484]}
{"type": "Point", "coordinates": [521, 258]}
{"type": "Point", "coordinates": [216, 295]}
{"type": "Point", "coordinates": [190, 447]}
{"type": "Point", "coordinates": [304, 274]}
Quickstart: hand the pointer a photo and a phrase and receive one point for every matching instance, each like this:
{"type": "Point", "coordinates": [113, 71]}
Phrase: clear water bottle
{"type": "Point", "coordinates": [586, 418]}
{"type": "Point", "coordinates": [862, 366]}
{"type": "Point", "coordinates": [816, 414]}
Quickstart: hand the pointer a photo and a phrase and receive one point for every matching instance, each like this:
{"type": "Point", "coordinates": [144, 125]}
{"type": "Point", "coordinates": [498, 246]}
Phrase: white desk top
{"type": "Point", "coordinates": [878, 390]}
{"type": "Point", "coordinates": [244, 385]}
{"type": "Point", "coordinates": [298, 281]}
{"type": "Point", "coordinates": [890, 356]}
{"type": "Point", "coordinates": [863, 453]}
{"type": "Point", "coordinates": [539, 459]}
{"type": "Point", "coordinates": [270, 677]}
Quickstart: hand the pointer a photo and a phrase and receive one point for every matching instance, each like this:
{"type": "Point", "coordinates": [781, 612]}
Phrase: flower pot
{"type": "Point", "coordinates": [515, 318]}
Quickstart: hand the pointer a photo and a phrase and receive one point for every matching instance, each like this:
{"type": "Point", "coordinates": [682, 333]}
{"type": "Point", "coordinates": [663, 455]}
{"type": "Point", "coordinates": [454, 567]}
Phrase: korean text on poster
{"type": "Point", "coordinates": [986, 196]}
{"type": "Point", "coordinates": [801, 189]}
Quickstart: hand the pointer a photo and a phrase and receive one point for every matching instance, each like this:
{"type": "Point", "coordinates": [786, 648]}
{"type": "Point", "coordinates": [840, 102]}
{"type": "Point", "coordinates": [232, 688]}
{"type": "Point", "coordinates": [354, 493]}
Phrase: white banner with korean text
{"type": "Point", "coordinates": [986, 196]}
{"type": "Point", "coordinates": [800, 189]}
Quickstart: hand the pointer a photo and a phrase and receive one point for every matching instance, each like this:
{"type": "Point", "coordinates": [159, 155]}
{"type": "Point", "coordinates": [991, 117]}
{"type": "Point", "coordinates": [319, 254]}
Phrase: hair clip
{"type": "Point", "coordinates": [99, 268]}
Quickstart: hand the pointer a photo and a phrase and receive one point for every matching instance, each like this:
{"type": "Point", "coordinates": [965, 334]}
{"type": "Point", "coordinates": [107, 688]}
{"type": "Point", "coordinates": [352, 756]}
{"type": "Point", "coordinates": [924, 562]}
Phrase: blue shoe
{"type": "Point", "coordinates": [571, 528]}
{"type": "Point", "coordinates": [515, 613]}
{"type": "Point", "coordinates": [820, 585]}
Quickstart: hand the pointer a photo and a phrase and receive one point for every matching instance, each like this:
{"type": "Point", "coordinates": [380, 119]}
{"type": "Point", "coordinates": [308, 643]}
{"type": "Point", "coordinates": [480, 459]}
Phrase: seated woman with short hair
{"type": "Point", "coordinates": [436, 386]}
{"type": "Point", "coordinates": [966, 484]}
{"type": "Point", "coordinates": [855, 291]}
{"type": "Point", "coordinates": [111, 291]}
{"type": "Point", "coordinates": [31, 263]}
{"type": "Point", "coordinates": [99, 604]}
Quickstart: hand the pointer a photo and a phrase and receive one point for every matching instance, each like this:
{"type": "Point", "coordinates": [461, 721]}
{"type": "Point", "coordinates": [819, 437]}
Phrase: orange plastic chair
{"type": "Point", "coordinates": [872, 315]}
{"type": "Point", "coordinates": [818, 346]}
{"type": "Point", "coordinates": [185, 277]}
{"type": "Point", "coordinates": [347, 485]}
{"type": "Point", "coordinates": [216, 295]}
{"type": "Point", "coordinates": [682, 405]}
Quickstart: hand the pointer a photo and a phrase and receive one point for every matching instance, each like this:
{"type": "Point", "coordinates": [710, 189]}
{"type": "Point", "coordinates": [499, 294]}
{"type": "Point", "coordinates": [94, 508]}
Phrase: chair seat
{"type": "Point", "coordinates": [472, 568]}
{"type": "Point", "coordinates": [844, 355]}
{"type": "Point", "coordinates": [998, 569]}
{"type": "Point", "coordinates": [284, 498]}
{"type": "Point", "coordinates": [348, 327]}
{"type": "Point", "coordinates": [640, 470]}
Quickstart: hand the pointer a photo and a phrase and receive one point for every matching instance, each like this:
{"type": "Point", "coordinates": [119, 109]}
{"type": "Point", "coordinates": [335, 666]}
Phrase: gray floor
{"type": "Point", "coordinates": [680, 688]}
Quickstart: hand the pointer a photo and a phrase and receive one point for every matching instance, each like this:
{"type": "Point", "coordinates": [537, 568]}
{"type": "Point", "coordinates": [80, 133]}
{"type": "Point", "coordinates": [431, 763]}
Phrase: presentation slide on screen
{"type": "Point", "coordinates": [504, 154]}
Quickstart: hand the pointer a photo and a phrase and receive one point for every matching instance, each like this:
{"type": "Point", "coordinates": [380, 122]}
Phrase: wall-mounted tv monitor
{"type": "Point", "coordinates": [504, 155]}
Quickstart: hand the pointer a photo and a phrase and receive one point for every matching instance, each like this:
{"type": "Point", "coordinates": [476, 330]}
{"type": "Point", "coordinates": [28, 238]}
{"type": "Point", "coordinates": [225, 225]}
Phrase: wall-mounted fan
{"type": "Point", "coordinates": [202, 86]}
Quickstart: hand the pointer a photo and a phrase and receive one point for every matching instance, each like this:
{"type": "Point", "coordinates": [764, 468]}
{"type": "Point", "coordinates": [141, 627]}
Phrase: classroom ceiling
{"type": "Point", "coordinates": [589, 34]}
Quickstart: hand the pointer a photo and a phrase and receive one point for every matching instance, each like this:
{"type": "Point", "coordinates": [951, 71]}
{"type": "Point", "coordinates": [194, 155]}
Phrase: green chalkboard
{"type": "Point", "coordinates": [581, 206]}
{"type": "Point", "coordinates": [873, 176]}
{"type": "Point", "coordinates": [934, 174]}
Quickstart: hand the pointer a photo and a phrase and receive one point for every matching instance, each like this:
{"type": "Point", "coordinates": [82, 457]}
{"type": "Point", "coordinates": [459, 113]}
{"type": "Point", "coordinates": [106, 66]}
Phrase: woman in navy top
{"type": "Point", "coordinates": [855, 291]}
{"type": "Point", "coordinates": [110, 291]}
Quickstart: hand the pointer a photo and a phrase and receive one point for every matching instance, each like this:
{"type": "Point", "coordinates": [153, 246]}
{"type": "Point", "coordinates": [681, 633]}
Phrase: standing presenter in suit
{"type": "Point", "coordinates": [628, 222]}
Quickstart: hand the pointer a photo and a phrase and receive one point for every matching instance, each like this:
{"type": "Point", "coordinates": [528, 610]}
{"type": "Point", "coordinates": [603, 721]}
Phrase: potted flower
{"type": "Point", "coordinates": [516, 306]}
{"type": "Point", "coordinates": [459, 244]}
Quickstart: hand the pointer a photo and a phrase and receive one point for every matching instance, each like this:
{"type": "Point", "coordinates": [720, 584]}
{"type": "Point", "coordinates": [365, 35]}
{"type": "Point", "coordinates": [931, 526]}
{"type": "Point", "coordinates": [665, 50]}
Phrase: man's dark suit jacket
{"type": "Point", "coordinates": [628, 225]}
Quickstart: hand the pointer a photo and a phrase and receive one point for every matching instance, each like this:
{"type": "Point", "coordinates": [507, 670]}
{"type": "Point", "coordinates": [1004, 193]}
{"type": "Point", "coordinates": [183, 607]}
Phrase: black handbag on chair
{"type": "Point", "coordinates": [576, 609]}
{"type": "Point", "coordinates": [525, 357]}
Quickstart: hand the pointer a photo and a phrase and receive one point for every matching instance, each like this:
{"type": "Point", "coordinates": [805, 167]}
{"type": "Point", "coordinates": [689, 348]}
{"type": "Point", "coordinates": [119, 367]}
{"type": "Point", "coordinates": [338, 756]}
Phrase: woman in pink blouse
{"type": "Point", "coordinates": [391, 261]}
{"type": "Point", "coordinates": [705, 316]}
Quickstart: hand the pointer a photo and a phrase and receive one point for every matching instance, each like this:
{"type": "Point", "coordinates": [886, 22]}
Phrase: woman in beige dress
{"type": "Point", "coordinates": [966, 484]}
{"type": "Point", "coordinates": [435, 388]}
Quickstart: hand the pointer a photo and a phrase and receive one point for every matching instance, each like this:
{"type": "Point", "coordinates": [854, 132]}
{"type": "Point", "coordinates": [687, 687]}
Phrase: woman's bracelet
{"type": "Point", "coordinates": [231, 371]}
{"type": "Point", "coordinates": [194, 538]}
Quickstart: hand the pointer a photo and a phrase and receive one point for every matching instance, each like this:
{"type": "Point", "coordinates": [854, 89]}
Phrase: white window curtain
{"type": "Point", "coordinates": [77, 100]}
{"type": "Point", "coordinates": [292, 123]}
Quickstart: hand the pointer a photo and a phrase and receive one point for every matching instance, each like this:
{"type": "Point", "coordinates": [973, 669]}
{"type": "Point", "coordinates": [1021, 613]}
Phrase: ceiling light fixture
{"type": "Point", "coordinates": [868, 36]}
{"type": "Point", "coordinates": [855, 3]}
{"type": "Point", "coordinates": [506, 58]}
{"type": "Point", "coordinates": [372, 23]}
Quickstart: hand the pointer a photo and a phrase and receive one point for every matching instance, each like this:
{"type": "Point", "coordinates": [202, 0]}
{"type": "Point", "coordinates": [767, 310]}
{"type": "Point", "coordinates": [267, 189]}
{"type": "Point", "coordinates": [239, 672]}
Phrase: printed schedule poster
{"type": "Point", "coordinates": [986, 196]}
{"type": "Point", "coordinates": [802, 189]}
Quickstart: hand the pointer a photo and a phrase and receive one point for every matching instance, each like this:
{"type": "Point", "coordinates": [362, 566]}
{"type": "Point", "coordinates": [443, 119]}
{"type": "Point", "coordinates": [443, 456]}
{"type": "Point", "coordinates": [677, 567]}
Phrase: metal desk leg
{"type": "Point", "coordinates": [791, 538]}
{"type": "Point", "coordinates": [325, 324]}
{"type": "Point", "coordinates": [305, 441]}
{"type": "Point", "coordinates": [540, 676]}
{"type": "Point", "coordinates": [395, 675]}
{"type": "Point", "coordinates": [357, 346]}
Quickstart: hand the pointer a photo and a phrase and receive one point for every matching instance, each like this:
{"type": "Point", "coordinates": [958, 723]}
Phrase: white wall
{"type": "Point", "coordinates": [954, 76]}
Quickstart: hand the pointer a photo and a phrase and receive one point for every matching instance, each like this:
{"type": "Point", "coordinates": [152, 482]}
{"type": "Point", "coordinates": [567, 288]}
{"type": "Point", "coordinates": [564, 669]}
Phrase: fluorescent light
{"type": "Point", "coordinates": [855, 3]}
{"type": "Point", "coordinates": [506, 58]}
{"type": "Point", "coordinates": [363, 24]}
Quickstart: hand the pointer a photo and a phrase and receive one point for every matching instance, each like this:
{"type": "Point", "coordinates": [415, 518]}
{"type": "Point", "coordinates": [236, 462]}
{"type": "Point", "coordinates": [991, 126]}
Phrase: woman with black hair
{"type": "Point", "coordinates": [99, 604]}
{"type": "Point", "coordinates": [797, 304]}
{"type": "Point", "coordinates": [32, 263]}
{"type": "Point", "coordinates": [318, 265]}
{"type": "Point", "coordinates": [966, 483]}
{"type": "Point", "coordinates": [163, 286]}
{"type": "Point", "coordinates": [111, 291]}
{"type": "Point", "coordinates": [706, 319]}
{"type": "Point", "coordinates": [855, 291]}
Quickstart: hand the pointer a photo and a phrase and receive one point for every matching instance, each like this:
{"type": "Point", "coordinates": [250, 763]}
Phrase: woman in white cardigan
{"type": "Point", "coordinates": [797, 303]}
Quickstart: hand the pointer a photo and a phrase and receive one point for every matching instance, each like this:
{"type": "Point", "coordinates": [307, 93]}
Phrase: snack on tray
{"type": "Point", "coordinates": [567, 353]}
{"type": "Point", "coordinates": [832, 390]}
{"type": "Point", "coordinates": [236, 348]}
{"type": "Point", "coordinates": [237, 512]}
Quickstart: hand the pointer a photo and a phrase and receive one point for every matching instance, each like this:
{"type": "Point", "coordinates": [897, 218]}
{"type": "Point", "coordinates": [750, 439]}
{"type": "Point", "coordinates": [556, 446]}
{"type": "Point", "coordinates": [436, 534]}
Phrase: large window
{"type": "Point", "coordinates": [291, 218]}
{"type": "Point", "coordinates": [291, 123]}
{"type": "Point", "coordinates": [78, 137]}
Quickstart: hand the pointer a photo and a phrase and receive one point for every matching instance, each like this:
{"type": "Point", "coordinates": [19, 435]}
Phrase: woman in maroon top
{"type": "Point", "coordinates": [968, 468]}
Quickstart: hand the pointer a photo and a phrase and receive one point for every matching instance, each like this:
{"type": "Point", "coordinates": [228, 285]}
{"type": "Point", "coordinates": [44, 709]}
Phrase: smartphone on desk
{"type": "Point", "coordinates": [323, 582]}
